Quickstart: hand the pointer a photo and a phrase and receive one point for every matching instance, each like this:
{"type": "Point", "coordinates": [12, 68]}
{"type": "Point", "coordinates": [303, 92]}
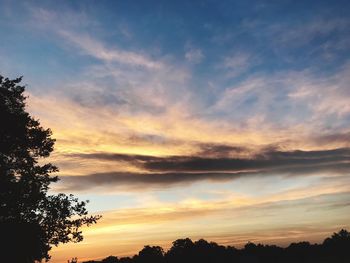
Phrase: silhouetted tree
{"type": "Point", "coordinates": [31, 220]}
{"type": "Point", "coordinates": [206, 252]}
{"type": "Point", "coordinates": [110, 259]}
{"type": "Point", "coordinates": [181, 251]}
{"type": "Point", "coordinates": [125, 260]}
{"type": "Point", "coordinates": [338, 244]}
{"type": "Point", "coordinates": [334, 249]}
{"type": "Point", "coordinates": [340, 238]}
{"type": "Point", "coordinates": [250, 253]}
{"type": "Point", "coordinates": [150, 254]}
{"type": "Point", "coordinates": [299, 252]}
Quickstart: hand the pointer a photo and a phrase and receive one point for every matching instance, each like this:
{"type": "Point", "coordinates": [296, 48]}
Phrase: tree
{"type": "Point", "coordinates": [338, 244]}
{"type": "Point", "coordinates": [154, 254]}
{"type": "Point", "coordinates": [181, 251]}
{"type": "Point", "coordinates": [31, 220]}
{"type": "Point", "coordinates": [110, 259]}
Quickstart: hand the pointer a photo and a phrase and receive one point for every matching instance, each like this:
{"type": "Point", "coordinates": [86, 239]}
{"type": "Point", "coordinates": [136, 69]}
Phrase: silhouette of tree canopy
{"type": "Point", "coordinates": [110, 259]}
{"type": "Point", "coordinates": [153, 254]}
{"type": "Point", "coordinates": [31, 220]}
{"type": "Point", "coordinates": [333, 249]}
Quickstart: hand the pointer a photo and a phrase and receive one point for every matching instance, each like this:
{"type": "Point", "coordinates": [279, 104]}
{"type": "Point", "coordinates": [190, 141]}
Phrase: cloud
{"type": "Point", "coordinates": [221, 150]}
{"type": "Point", "coordinates": [138, 181]}
{"type": "Point", "coordinates": [263, 108]}
{"type": "Point", "coordinates": [178, 170]}
{"type": "Point", "coordinates": [194, 55]}
{"type": "Point", "coordinates": [334, 138]}
{"type": "Point", "coordinates": [142, 113]}
{"type": "Point", "coordinates": [71, 27]}
{"type": "Point", "coordinates": [289, 99]}
{"type": "Point", "coordinates": [304, 32]}
{"type": "Point", "coordinates": [96, 49]}
{"type": "Point", "coordinates": [188, 209]}
{"type": "Point", "coordinates": [238, 64]}
{"type": "Point", "coordinates": [270, 158]}
{"type": "Point", "coordinates": [335, 93]}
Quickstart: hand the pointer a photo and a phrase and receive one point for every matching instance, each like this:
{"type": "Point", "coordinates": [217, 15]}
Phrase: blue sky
{"type": "Point", "coordinates": [221, 45]}
{"type": "Point", "coordinates": [199, 114]}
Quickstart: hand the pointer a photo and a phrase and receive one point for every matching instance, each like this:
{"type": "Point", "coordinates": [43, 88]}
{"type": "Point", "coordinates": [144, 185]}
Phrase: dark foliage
{"type": "Point", "coordinates": [333, 249]}
{"type": "Point", "coordinates": [31, 220]}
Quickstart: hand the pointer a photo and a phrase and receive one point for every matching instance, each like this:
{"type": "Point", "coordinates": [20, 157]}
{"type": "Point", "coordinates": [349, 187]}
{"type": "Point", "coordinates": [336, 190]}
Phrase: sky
{"type": "Point", "coordinates": [223, 120]}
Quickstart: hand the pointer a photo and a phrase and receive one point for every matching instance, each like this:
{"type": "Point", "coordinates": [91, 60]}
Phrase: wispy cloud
{"type": "Point", "coordinates": [194, 55]}
{"type": "Point", "coordinates": [69, 27]}
{"type": "Point", "coordinates": [96, 49]}
{"type": "Point", "coordinates": [290, 98]}
{"type": "Point", "coordinates": [238, 63]}
{"type": "Point", "coordinates": [303, 32]}
{"type": "Point", "coordinates": [335, 94]}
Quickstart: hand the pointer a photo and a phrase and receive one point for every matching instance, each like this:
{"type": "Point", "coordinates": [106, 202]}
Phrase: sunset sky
{"type": "Point", "coordinates": [223, 120]}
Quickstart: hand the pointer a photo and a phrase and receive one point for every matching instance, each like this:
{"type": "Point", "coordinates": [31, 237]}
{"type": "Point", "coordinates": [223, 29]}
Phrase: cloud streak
{"type": "Point", "coordinates": [96, 49]}
{"type": "Point", "coordinates": [179, 170]}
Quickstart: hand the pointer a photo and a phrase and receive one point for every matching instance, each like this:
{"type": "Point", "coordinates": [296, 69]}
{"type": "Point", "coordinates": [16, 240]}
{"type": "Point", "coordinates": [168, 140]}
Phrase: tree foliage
{"type": "Point", "coordinates": [28, 213]}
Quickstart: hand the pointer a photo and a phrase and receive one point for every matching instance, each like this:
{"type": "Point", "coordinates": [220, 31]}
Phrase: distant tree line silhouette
{"type": "Point", "coordinates": [335, 249]}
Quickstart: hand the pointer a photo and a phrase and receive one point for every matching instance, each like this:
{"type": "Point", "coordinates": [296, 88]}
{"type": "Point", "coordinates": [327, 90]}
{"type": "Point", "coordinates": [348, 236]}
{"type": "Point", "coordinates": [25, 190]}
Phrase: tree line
{"type": "Point", "coordinates": [334, 249]}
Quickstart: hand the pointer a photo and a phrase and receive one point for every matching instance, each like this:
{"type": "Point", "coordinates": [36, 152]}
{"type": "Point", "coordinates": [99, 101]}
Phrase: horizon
{"type": "Point", "coordinates": [302, 245]}
{"type": "Point", "coordinates": [225, 121]}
